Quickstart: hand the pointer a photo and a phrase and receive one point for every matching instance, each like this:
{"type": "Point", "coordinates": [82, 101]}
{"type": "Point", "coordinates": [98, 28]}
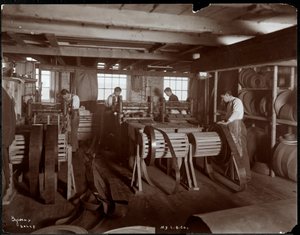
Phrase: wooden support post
{"type": "Point", "coordinates": [292, 80]}
{"type": "Point", "coordinates": [215, 95]}
{"type": "Point", "coordinates": [274, 96]}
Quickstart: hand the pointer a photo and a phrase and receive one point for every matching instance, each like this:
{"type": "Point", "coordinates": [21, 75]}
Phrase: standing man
{"type": "Point", "coordinates": [113, 97]}
{"type": "Point", "coordinates": [234, 120]}
{"type": "Point", "coordinates": [73, 103]}
{"type": "Point", "coordinates": [8, 133]}
{"type": "Point", "coordinates": [172, 97]}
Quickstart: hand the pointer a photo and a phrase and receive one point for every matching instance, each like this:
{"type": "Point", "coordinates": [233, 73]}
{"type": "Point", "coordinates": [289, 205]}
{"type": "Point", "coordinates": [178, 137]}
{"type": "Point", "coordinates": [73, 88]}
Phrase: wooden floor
{"type": "Point", "coordinates": [151, 208]}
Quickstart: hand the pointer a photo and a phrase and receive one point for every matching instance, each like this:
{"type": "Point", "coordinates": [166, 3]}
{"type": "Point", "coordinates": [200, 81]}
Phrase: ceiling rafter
{"type": "Point", "coordinates": [131, 18]}
{"type": "Point", "coordinates": [103, 33]}
{"type": "Point", "coordinates": [16, 38]}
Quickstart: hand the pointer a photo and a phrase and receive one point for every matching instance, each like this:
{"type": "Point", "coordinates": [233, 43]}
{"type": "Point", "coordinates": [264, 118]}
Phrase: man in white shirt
{"type": "Point", "coordinates": [113, 97]}
{"type": "Point", "coordinates": [73, 102]}
{"type": "Point", "coordinates": [234, 120]}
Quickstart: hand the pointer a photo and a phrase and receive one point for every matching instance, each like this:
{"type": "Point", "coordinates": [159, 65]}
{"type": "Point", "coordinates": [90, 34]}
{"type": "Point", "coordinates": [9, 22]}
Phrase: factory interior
{"type": "Point", "coordinates": [149, 118]}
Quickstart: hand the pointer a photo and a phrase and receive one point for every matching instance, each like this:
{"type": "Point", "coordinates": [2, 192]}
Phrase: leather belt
{"type": "Point", "coordinates": [51, 159]}
{"type": "Point", "coordinates": [35, 151]}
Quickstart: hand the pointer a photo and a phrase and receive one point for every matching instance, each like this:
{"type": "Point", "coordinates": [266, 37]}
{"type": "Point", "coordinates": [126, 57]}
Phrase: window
{"type": "Point", "coordinates": [37, 77]}
{"type": "Point", "coordinates": [46, 81]}
{"type": "Point", "coordinates": [107, 83]}
{"type": "Point", "coordinates": [179, 86]}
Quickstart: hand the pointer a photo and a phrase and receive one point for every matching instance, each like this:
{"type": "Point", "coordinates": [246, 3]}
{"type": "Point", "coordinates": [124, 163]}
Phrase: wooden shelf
{"type": "Point", "coordinates": [256, 118]}
{"type": "Point", "coordinates": [287, 122]}
{"type": "Point", "coordinates": [256, 89]}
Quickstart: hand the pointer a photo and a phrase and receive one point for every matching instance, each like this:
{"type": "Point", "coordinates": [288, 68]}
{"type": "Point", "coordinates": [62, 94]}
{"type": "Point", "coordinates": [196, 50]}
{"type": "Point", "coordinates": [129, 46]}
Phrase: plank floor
{"type": "Point", "coordinates": [154, 207]}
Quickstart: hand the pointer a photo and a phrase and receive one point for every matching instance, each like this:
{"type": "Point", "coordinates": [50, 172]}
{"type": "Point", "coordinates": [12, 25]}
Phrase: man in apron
{"type": "Point", "coordinates": [234, 120]}
{"type": "Point", "coordinates": [73, 102]}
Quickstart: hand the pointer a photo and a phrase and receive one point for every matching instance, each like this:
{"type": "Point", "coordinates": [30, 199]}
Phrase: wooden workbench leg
{"type": "Point", "coordinates": [139, 173]}
{"type": "Point", "coordinates": [193, 170]}
{"type": "Point", "coordinates": [187, 172]}
{"type": "Point", "coordinates": [133, 179]}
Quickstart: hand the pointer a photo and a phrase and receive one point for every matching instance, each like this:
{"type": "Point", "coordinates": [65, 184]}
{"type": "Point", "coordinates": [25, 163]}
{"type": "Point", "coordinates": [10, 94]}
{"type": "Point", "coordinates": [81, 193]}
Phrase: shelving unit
{"type": "Point", "coordinates": [272, 119]}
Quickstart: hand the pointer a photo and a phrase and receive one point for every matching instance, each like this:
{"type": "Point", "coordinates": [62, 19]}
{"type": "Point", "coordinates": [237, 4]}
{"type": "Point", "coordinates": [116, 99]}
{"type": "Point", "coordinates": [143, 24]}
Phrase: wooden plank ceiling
{"type": "Point", "coordinates": [153, 37]}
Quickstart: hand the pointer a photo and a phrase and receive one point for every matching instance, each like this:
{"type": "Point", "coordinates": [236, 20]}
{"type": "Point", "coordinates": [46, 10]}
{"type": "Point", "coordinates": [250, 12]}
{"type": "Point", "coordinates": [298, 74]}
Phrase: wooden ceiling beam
{"type": "Point", "coordinates": [129, 18]}
{"type": "Point", "coordinates": [277, 46]}
{"type": "Point", "coordinates": [85, 52]}
{"type": "Point", "coordinates": [60, 60]}
{"type": "Point", "coordinates": [78, 61]}
{"type": "Point", "coordinates": [16, 38]}
{"type": "Point", "coordinates": [156, 47]}
{"type": "Point", "coordinates": [51, 39]}
{"type": "Point", "coordinates": [106, 33]}
{"type": "Point", "coordinates": [128, 72]}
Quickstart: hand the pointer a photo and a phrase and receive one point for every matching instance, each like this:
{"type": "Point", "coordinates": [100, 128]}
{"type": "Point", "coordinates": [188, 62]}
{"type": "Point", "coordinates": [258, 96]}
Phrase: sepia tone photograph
{"type": "Point", "coordinates": [149, 118]}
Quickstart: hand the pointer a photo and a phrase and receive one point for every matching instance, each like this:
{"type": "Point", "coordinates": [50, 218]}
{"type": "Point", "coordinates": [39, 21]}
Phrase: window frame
{"type": "Point", "coordinates": [106, 87]}
{"type": "Point", "coordinates": [175, 83]}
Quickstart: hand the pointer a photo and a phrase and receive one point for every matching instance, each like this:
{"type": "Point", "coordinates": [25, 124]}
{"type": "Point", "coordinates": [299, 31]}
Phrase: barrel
{"type": "Point", "coordinates": [284, 161]}
{"type": "Point", "coordinates": [287, 112]}
{"type": "Point", "coordinates": [283, 98]}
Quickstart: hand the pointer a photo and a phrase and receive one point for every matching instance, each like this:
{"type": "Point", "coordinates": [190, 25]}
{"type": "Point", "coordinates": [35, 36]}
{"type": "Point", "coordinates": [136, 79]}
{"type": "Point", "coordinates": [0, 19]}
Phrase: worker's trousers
{"type": "Point", "coordinates": [239, 133]}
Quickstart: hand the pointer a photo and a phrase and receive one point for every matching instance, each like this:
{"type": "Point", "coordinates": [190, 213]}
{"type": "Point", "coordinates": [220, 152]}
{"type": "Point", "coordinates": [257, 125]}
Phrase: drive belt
{"type": "Point", "coordinates": [51, 157]}
{"type": "Point", "coordinates": [151, 129]}
{"type": "Point", "coordinates": [236, 161]}
{"type": "Point", "coordinates": [35, 152]}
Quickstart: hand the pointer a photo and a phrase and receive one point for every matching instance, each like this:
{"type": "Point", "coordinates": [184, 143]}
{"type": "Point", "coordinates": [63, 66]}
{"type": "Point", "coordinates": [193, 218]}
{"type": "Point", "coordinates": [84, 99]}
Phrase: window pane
{"type": "Point", "coordinates": [184, 85]}
{"type": "Point", "coordinates": [46, 94]}
{"type": "Point", "coordinates": [179, 86]}
{"type": "Point", "coordinates": [115, 83]}
{"type": "Point", "coordinates": [45, 72]}
{"type": "Point", "coordinates": [100, 82]}
{"type": "Point", "coordinates": [101, 94]}
{"type": "Point", "coordinates": [45, 81]}
{"type": "Point", "coordinates": [107, 93]}
{"type": "Point", "coordinates": [173, 85]}
{"type": "Point", "coordinates": [108, 82]}
{"type": "Point", "coordinates": [124, 93]}
{"type": "Point", "coordinates": [123, 83]}
{"type": "Point", "coordinates": [184, 95]}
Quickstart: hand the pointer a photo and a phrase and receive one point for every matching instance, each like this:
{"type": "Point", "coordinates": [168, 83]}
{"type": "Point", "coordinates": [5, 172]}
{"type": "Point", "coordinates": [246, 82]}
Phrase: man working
{"type": "Point", "coordinates": [169, 93]}
{"type": "Point", "coordinates": [73, 102]}
{"type": "Point", "coordinates": [233, 119]}
{"type": "Point", "coordinates": [113, 97]}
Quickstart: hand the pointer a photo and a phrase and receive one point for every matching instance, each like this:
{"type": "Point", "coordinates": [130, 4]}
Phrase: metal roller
{"type": "Point", "coordinates": [205, 144]}
{"type": "Point", "coordinates": [154, 145]}
{"type": "Point", "coordinates": [157, 144]}
{"type": "Point", "coordinates": [223, 162]}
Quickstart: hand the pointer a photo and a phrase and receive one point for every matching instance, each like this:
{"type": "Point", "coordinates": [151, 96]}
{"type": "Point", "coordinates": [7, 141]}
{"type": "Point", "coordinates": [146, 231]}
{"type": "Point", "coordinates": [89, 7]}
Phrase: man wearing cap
{"type": "Point", "coordinates": [234, 120]}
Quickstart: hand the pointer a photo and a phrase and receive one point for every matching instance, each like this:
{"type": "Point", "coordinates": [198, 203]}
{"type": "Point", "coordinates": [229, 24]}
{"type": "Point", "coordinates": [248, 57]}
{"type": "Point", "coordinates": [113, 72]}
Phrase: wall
{"type": "Point", "coordinates": [27, 68]}
{"type": "Point", "coordinates": [140, 87]}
